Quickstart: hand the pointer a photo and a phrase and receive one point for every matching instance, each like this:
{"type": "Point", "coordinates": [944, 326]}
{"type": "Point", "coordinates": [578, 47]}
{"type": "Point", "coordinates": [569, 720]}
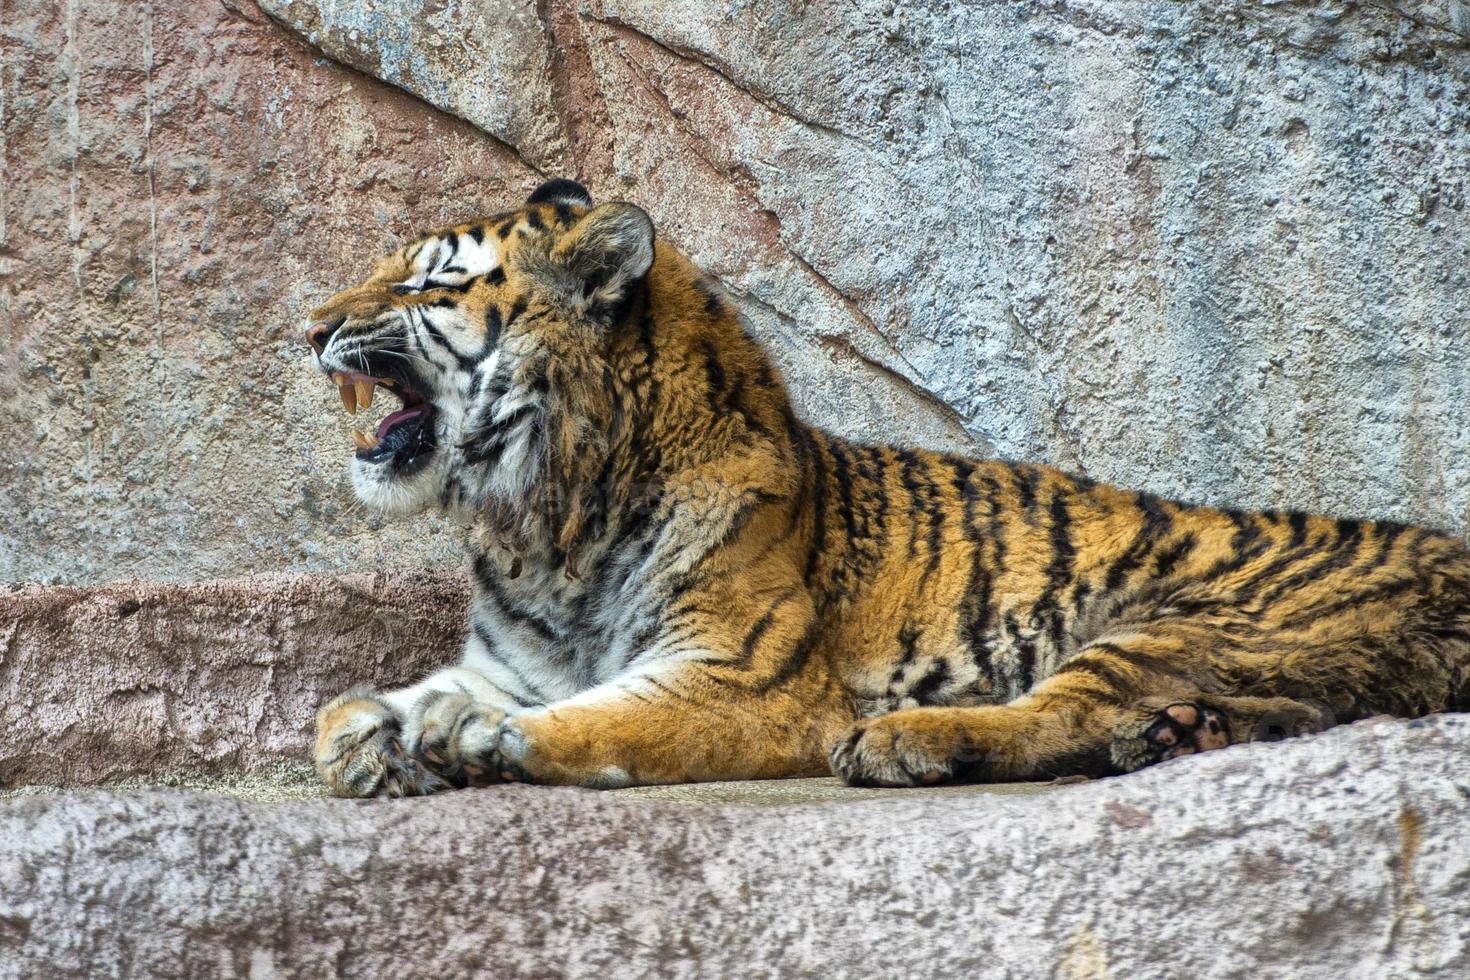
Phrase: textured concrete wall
{"type": "Point", "coordinates": [181, 179]}
{"type": "Point", "coordinates": [99, 682]}
{"type": "Point", "coordinates": [1215, 249]}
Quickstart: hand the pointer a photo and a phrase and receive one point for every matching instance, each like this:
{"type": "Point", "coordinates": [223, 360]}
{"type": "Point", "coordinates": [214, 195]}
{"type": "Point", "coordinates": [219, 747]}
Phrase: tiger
{"type": "Point", "coordinates": [675, 578]}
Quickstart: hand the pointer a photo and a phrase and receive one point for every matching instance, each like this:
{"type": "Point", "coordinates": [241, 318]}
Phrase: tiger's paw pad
{"type": "Point", "coordinates": [881, 752]}
{"type": "Point", "coordinates": [360, 753]}
{"type": "Point", "coordinates": [457, 740]}
{"type": "Point", "coordinates": [1184, 729]}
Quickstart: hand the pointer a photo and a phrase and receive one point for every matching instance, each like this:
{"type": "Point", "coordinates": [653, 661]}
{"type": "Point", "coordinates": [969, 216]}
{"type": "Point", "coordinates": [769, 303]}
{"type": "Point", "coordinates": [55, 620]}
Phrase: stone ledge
{"type": "Point", "coordinates": [1339, 855]}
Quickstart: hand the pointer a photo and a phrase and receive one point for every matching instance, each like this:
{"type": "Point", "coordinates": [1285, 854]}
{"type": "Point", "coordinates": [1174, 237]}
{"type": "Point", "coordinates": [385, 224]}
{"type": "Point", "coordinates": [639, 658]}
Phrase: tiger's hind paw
{"type": "Point", "coordinates": [1162, 729]}
{"type": "Point", "coordinates": [1184, 729]}
{"type": "Point", "coordinates": [1169, 731]}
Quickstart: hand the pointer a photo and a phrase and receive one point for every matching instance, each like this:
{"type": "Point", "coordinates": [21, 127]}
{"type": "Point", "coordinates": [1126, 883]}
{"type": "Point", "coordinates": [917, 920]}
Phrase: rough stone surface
{"type": "Point", "coordinates": [1214, 249]}
{"type": "Point", "coordinates": [180, 181]}
{"type": "Point", "coordinates": [109, 681]}
{"type": "Point", "coordinates": [1218, 250]}
{"type": "Point", "coordinates": [1338, 856]}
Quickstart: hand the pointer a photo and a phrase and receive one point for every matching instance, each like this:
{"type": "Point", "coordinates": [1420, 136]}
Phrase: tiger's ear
{"type": "Point", "coordinates": [602, 256]}
{"type": "Point", "coordinates": [561, 191]}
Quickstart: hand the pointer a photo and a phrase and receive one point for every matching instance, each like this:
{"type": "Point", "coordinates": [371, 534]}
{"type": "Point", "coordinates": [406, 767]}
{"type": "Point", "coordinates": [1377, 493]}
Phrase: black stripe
{"type": "Point", "coordinates": [516, 309]}
{"type": "Point", "coordinates": [714, 374]}
{"type": "Point", "coordinates": [819, 503]}
{"type": "Point", "coordinates": [462, 287]}
{"type": "Point", "coordinates": [842, 470]}
{"type": "Point", "coordinates": [1156, 523]}
{"type": "Point", "coordinates": [465, 363]}
{"type": "Point", "coordinates": [1047, 610]}
{"type": "Point", "coordinates": [1246, 546]}
{"type": "Point", "coordinates": [878, 480]}
{"type": "Point", "coordinates": [793, 663]}
{"type": "Point", "coordinates": [759, 630]}
{"type": "Point", "coordinates": [908, 461]}
{"type": "Point", "coordinates": [976, 612]}
{"type": "Point", "coordinates": [492, 328]}
{"type": "Point", "coordinates": [1171, 554]}
{"type": "Point", "coordinates": [488, 579]}
{"type": "Point", "coordinates": [936, 525]}
{"type": "Point", "coordinates": [443, 255]}
{"type": "Point", "coordinates": [1026, 479]}
{"type": "Point", "coordinates": [931, 682]}
{"type": "Point", "coordinates": [482, 632]}
{"type": "Point", "coordinates": [1025, 649]}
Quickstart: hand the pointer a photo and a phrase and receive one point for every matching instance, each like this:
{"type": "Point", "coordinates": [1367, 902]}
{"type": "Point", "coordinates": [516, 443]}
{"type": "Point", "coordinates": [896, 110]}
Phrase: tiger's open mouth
{"type": "Point", "coordinates": [403, 439]}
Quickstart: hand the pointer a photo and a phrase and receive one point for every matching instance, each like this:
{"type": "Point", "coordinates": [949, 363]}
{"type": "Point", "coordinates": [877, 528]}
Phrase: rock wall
{"type": "Point", "coordinates": [102, 682]}
{"type": "Point", "coordinates": [1215, 249]}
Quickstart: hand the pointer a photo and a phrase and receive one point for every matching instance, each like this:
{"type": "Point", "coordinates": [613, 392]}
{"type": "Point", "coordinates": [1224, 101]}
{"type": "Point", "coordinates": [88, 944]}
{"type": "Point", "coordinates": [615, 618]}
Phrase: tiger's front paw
{"type": "Point", "coordinates": [556, 749]}
{"type": "Point", "coordinates": [906, 748]}
{"type": "Point", "coordinates": [459, 740]}
{"type": "Point", "coordinates": [359, 751]}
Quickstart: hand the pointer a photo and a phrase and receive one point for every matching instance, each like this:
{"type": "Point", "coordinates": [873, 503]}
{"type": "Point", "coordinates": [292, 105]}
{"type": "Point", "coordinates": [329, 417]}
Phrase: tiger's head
{"type": "Point", "coordinates": [492, 335]}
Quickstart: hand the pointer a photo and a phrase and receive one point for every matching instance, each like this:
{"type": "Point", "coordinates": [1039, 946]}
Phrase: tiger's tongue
{"type": "Point", "coordinates": [391, 420]}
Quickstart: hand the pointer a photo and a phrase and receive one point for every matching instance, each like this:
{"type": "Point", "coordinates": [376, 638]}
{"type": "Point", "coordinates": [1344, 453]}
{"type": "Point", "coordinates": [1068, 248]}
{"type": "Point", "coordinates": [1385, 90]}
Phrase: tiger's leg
{"type": "Point", "coordinates": [674, 726]}
{"type": "Point", "coordinates": [1064, 726]}
{"type": "Point", "coordinates": [748, 694]}
{"type": "Point", "coordinates": [383, 743]}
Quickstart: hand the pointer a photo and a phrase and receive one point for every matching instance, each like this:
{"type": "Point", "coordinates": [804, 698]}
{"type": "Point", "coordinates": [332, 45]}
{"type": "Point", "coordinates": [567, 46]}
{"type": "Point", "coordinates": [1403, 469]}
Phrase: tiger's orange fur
{"type": "Point", "coordinates": [894, 615]}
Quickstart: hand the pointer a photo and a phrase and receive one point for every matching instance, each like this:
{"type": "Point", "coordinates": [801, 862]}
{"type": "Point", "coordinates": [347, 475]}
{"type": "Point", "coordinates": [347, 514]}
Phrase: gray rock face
{"type": "Point", "coordinates": [1338, 856]}
{"type": "Point", "coordinates": [1216, 250]}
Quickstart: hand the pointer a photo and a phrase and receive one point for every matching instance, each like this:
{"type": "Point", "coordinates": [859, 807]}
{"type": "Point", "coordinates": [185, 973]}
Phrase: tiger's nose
{"type": "Point", "coordinates": [317, 334]}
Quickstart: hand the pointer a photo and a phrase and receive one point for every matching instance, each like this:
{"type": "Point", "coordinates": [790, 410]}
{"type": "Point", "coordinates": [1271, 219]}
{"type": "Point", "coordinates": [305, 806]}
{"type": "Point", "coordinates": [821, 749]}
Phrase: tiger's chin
{"type": "Point", "coordinates": [397, 492]}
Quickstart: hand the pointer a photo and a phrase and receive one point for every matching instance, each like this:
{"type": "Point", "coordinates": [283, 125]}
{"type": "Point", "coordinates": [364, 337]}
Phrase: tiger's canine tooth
{"type": "Point", "coordinates": [364, 393]}
{"type": "Point", "coordinates": [349, 397]}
